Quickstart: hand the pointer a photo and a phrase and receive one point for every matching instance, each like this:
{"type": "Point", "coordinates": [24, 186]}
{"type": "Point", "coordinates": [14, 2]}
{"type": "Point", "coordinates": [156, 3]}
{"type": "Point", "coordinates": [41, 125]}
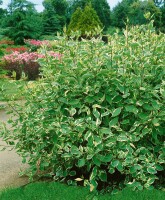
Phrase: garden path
{"type": "Point", "coordinates": [10, 163]}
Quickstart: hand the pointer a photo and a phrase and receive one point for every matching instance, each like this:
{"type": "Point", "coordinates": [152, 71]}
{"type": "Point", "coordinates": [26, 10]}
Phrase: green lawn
{"type": "Point", "coordinates": [58, 191]}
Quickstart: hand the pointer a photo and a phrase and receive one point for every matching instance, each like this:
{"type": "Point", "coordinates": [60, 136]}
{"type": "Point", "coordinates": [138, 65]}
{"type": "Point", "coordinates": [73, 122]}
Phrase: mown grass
{"type": "Point", "coordinates": [58, 191]}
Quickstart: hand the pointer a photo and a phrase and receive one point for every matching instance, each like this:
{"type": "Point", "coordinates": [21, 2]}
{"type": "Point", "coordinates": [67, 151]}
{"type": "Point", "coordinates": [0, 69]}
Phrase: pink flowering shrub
{"type": "Point", "coordinates": [26, 62]}
{"type": "Point", "coordinates": [35, 44]}
{"type": "Point", "coordinates": [19, 49]}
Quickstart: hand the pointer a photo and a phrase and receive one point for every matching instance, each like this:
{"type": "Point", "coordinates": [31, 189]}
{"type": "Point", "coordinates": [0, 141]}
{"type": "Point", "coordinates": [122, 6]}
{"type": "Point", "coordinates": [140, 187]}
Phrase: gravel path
{"type": "Point", "coordinates": [10, 164]}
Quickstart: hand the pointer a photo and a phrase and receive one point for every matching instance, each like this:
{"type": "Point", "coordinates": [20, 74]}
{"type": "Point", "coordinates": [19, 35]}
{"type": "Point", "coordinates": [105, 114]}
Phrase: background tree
{"type": "Point", "coordinates": [139, 8]}
{"type": "Point", "coordinates": [88, 21]}
{"type": "Point", "coordinates": [101, 7]}
{"type": "Point", "coordinates": [2, 13]}
{"type": "Point", "coordinates": [51, 23]}
{"type": "Point", "coordinates": [2, 16]}
{"type": "Point", "coordinates": [79, 4]}
{"type": "Point", "coordinates": [135, 10]}
{"type": "Point", "coordinates": [159, 3]}
{"type": "Point", "coordinates": [162, 9]}
{"type": "Point", "coordinates": [54, 15]}
{"type": "Point", "coordinates": [120, 13]}
{"type": "Point", "coordinates": [74, 23]}
{"type": "Point", "coordinates": [103, 11]}
{"type": "Point", "coordinates": [22, 21]}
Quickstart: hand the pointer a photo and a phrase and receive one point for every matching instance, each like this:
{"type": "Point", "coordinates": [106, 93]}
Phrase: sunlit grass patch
{"type": "Point", "coordinates": [58, 191]}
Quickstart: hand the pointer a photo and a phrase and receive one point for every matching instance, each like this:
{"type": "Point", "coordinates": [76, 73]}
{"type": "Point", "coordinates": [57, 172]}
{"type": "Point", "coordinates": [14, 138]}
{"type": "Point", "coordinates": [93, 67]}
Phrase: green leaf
{"type": "Point", "coordinates": [103, 176]}
{"type": "Point", "coordinates": [143, 116]}
{"type": "Point", "coordinates": [122, 138]}
{"type": "Point", "coordinates": [66, 155]}
{"type": "Point", "coordinates": [113, 122]}
{"type": "Point", "coordinates": [105, 113]}
{"type": "Point", "coordinates": [96, 161]}
{"type": "Point", "coordinates": [55, 138]}
{"type": "Point", "coordinates": [111, 170]}
{"type": "Point", "coordinates": [156, 122]}
{"type": "Point", "coordinates": [106, 158]}
{"type": "Point", "coordinates": [138, 167]}
{"type": "Point", "coordinates": [147, 107]}
{"type": "Point", "coordinates": [116, 112]}
{"type": "Point", "coordinates": [155, 105]}
{"type": "Point", "coordinates": [45, 164]}
{"type": "Point", "coordinates": [94, 173]}
{"type": "Point", "coordinates": [151, 180]}
{"type": "Point", "coordinates": [126, 121]}
{"type": "Point", "coordinates": [151, 170]}
{"type": "Point", "coordinates": [89, 99]}
{"type": "Point", "coordinates": [87, 135]}
{"type": "Point", "coordinates": [159, 167]}
{"type": "Point", "coordinates": [114, 163]}
{"type": "Point", "coordinates": [133, 169]}
{"type": "Point", "coordinates": [146, 131]}
{"type": "Point", "coordinates": [109, 99]}
{"type": "Point", "coordinates": [106, 131]}
{"type": "Point", "coordinates": [120, 167]}
{"type": "Point", "coordinates": [93, 185]}
{"type": "Point", "coordinates": [74, 102]}
{"type": "Point", "coordinates": [97, 140]}
{"type": "Point", "coordinates": [96, 113]}
{"type": "Point", "coordinates": [98, 122]}
{"type": "Point", "coordinates": [131, 108]}
{"type": "Point", "coordinates": [72, 112]}
{"type": "Point", "coordinates": [75, 150]}
{"type": "Point", "coordinates": [72, 173]}
{"type": "Point", "coordinates": [81, 162]}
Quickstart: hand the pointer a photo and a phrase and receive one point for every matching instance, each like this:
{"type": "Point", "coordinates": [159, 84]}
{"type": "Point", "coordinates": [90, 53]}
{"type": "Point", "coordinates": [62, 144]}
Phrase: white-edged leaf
{"type": "Point", "coordinates": [116, 112]}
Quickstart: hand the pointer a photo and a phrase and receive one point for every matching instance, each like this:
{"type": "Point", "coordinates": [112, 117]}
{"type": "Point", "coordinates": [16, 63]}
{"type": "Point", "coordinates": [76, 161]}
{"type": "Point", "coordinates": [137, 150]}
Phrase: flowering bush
{"type": "Point", "coordinates": [19, 49]}
{"type": "Point", "coordinates": [35, 44]}
{"type": "Point", "coordinates": [26, 62]}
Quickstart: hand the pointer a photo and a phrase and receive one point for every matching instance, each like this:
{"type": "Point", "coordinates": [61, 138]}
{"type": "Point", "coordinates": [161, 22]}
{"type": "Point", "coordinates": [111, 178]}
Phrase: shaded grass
{"type": "Point", "coordinates": [58, 191]}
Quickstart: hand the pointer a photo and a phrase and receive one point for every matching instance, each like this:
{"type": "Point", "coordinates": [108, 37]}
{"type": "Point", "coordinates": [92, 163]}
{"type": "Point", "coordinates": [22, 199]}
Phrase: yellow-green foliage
{"type": "Point", "coordinates": [86, 21]}
{"type": "Point", "coordinates": [75, 20]}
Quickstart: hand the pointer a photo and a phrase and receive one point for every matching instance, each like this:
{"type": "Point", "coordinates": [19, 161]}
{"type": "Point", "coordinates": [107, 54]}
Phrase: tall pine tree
{"type": "Point", "coordinates": [54, 15]}
{"type": "Point", "coordinates": [103, 11]}
{"type": "Point", "coordinates": [22, 21]}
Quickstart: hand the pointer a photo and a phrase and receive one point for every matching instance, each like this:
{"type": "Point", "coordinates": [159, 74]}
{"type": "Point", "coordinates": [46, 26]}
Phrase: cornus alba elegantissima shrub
{"type": "Point", "coordinates": [97, 117]}
{"type": "Point", "coordinates": [25, 62]}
